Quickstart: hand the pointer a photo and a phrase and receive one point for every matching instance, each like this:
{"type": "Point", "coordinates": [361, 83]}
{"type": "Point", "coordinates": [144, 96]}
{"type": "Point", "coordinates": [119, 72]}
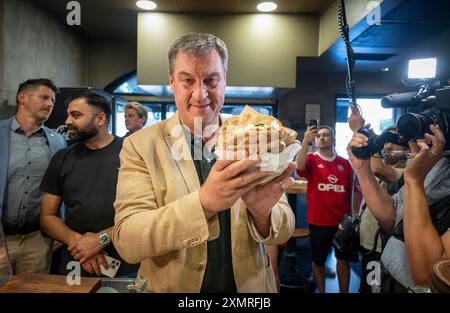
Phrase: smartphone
{"type": "Point", "coordinates": [313, 123]}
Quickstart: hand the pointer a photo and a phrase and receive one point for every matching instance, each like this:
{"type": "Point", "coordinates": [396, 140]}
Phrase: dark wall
{"type": "Point", "coordinates": [108, 59]}
{"type": "Point", "coordinates": [34, 44]}
{"type": "Point", "coordinates": [322, 89]}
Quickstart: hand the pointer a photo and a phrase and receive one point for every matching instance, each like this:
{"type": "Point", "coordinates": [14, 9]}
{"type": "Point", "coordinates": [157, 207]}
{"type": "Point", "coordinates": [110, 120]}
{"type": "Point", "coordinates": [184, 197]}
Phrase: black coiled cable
{"type": "Point", "coordinates": [344, 30]}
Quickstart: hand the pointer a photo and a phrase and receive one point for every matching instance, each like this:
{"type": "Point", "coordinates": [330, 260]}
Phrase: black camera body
{"type": "Point", "coordinates": [375, 143]}
{"type": "Point", "coordinates": [425, 111]}
{"type": "Point", "coordinates": [430, 105]}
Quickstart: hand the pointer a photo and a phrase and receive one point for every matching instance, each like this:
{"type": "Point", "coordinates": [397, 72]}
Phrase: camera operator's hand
{"type": "Point", "coordinates": [358, 140]}
{"type": "Point", "coordinates": [355, 120]}
{"type": "Point", "coordinates": [310, 134]}
{"type": "Point", "coordinates": [426, 157]}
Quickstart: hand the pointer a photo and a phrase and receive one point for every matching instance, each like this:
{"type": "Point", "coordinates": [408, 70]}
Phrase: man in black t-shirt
{"type": "Point", "coordinates": [84, 176]}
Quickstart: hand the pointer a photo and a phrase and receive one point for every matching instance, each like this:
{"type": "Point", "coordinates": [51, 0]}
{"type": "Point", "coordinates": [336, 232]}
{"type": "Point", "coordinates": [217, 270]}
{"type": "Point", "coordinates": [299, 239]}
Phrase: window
{"type": "Point", "coordinates": [235, 109]}
{"type": "Point", "coordinates": [171, 109]}
{"type": "Point", "coordinates": [127, 85]}
{"type": "Point", "coordinates": [154, 115]}
{"type": "Point", "coordinates": [160, 111]}
{"type": "Point", "coordinates": [372, 111]}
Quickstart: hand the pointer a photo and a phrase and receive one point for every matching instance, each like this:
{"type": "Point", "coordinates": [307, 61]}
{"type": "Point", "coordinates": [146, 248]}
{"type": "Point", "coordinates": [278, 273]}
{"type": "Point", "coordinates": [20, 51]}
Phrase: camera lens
{"type": "Point", "coordinates": [412, 125]}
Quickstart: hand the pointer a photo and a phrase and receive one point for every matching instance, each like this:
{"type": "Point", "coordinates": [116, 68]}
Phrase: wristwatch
{"type": "Point", "coordinates": [104, 239]}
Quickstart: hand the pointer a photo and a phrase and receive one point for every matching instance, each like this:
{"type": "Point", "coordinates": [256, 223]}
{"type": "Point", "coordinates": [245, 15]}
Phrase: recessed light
{"type": "Point", "coordinates": [385, 69]}
{"type": "Point", "coordinates": [146, 5]}
{"type": "Point", "coordinates": [266, 6]}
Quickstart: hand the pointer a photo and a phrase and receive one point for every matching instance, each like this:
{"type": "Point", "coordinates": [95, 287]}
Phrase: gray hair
{"type": "Point", "coordinates": [198, 44]}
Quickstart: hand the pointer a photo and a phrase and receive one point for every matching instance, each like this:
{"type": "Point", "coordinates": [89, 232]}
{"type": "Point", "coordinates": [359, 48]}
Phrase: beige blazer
{"type": "Point", "coordinates": [160, 222]}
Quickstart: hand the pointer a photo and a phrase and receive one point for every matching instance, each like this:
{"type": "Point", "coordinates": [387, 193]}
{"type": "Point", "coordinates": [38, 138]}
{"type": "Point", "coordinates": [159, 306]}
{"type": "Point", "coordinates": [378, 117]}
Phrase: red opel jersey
{"type": "Point", "coordinates": [328, 191]}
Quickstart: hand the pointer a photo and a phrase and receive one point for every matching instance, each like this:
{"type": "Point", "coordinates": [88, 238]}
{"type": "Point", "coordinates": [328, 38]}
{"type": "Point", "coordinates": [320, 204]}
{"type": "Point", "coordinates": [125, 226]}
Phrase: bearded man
{"type": "Point", "coordinates": [84, 177]}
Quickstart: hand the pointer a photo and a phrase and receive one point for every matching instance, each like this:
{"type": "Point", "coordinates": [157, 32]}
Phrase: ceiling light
{"type": "Point", "coordinates": [146, 5]}
{"type": "Point", "coordinates": [385, 69]}
{"type": "Point", "coordinates": [266, 6]}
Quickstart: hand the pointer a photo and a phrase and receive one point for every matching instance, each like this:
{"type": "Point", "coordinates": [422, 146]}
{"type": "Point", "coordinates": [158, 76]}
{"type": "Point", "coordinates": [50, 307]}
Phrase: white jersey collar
{"type": "Point", "coordinates": [329, 159]}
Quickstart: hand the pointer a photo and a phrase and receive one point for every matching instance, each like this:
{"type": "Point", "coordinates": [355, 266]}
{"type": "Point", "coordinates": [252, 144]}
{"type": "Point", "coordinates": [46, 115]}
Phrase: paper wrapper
{"type": "Point", "coordinates": [278, 162]}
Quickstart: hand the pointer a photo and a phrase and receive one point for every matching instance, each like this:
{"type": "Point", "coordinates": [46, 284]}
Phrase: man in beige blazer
{"type": "Point", "coordinates": [194, 226]}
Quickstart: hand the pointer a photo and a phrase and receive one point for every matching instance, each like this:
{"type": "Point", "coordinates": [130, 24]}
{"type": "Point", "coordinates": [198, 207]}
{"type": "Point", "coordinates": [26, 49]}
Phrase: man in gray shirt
{"type": "Point", "coordinates": [26, 149]}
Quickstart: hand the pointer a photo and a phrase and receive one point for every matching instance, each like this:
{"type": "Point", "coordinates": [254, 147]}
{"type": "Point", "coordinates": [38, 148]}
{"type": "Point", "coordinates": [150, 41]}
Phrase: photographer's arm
{"type": "Point", "coordinates": [423, 244]}
{"type": "Point", "coordinates": [384, 172]}
{"type": "Point", "coordinates": [355, 120]}
{"type": "Point", "coordinates": [378, 200]}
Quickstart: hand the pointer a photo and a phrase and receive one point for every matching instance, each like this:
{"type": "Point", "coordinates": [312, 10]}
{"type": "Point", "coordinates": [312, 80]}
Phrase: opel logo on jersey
{"type": "Point", "coordinates": [326, 187]}
{"type": "Point", "coordinates": [332, 179]}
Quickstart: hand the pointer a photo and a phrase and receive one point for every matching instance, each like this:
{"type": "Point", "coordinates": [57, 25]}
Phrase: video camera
{"type": "Point", "coordinates": [430, 105]}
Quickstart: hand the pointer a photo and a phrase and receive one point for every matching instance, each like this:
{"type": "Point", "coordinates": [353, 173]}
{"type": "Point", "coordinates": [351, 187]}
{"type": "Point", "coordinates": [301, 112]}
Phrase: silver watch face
{"type": "Point", "coordinates": [104, 239]}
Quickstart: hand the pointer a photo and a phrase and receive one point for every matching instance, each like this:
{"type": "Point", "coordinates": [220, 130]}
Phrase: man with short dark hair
{"type": "Point", "coordinates": [26, 148]}
{"type": "Point", "coordinates": [84, 176]}
{"type": "Point", "coordinates": [328, 196]}
{"type": "Point", "coordinates": [32, 84]}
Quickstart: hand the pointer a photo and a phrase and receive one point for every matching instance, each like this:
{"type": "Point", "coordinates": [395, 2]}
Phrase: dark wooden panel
{"type": "Point", "coordinates": [44, 283]}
